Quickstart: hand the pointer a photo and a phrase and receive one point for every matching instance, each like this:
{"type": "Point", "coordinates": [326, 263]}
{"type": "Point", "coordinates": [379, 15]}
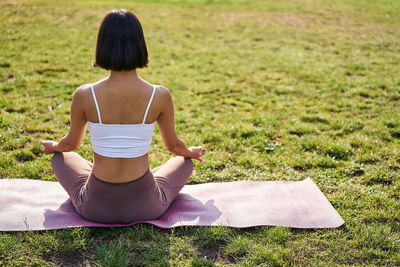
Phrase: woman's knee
{"type": "Point", "coordinates": [189, 164]}
{"type": "Point", "coordinates": [57, 157]}
{"type": "Point", "coordinates": [176, 167]}
{"type": "Point", "coordinates": [62, 158]}
{"type": "Point", "coordinates": [185, 163]}
{"type": "Point", "coordinates": [187, 167]}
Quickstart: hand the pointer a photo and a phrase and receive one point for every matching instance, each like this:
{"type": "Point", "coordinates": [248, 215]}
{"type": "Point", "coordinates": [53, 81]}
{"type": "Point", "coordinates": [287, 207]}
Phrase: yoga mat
{"type": "Point", "coordinates": [39, 205]}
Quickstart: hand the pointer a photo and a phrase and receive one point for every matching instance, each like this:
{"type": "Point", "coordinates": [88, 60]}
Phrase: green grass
{"type": "Point", "coordinates": [273, 90]}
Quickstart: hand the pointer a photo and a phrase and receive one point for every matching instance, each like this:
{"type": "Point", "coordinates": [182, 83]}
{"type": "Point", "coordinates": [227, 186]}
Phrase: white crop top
{"type": "Point", "coordinates": [121, 140]}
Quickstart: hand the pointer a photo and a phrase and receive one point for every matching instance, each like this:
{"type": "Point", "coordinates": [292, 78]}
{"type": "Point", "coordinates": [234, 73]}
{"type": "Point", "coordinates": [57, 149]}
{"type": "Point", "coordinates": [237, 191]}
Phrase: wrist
{"type": "Point", "coordinates": [54, 147]}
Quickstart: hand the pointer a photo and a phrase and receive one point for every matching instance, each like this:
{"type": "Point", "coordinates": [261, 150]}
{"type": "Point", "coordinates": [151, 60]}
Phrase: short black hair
{"type": "Point", "coordinates": [120, 42]}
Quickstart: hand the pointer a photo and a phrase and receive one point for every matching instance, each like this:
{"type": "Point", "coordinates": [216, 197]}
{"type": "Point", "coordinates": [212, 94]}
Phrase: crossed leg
{"type": "Point", "coordinates": [171, 177]}
{"type": "Point", "coordinates": [72, 171]}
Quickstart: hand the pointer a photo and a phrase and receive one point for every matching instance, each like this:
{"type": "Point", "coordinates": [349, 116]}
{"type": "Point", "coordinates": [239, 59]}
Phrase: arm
{"type": "Point", "coordinates": [166, 125]}
{"type": "Point", "coordinates": [77, 129]}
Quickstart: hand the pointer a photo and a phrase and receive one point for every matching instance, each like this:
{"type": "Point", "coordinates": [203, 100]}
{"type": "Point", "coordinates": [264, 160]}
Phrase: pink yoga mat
{"type": "Point", "coordinates": [39, 205]}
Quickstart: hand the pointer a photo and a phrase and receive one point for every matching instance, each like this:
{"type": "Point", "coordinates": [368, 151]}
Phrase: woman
{"type": "Point", "coordinates": [121, 111]}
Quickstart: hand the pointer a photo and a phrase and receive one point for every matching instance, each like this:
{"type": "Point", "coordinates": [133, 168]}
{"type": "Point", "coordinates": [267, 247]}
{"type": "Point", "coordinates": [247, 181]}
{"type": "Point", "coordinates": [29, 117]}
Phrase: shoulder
{"type": "Point", "coordinates": [82, 90]}
{"type": "Point", "coordinates": [163, 93]}
{"type": "Point", "coordinates": [82, 94]}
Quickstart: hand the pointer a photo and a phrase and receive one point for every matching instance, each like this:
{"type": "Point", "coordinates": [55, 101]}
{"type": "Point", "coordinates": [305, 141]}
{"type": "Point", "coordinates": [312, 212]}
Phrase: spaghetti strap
{"type": "Point", "coordinates": [149, 104]}
{"type": "Point", "coordinates": [95, 102]}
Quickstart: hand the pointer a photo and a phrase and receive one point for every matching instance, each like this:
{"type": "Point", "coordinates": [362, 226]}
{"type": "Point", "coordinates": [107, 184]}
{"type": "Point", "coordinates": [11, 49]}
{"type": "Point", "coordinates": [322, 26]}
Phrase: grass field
{"type": "Point", "coordinates": [273, 90]}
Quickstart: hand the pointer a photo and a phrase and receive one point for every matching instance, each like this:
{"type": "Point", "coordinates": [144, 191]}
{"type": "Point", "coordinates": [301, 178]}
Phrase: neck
{"type": "Point", "coordinates": [123, 75]}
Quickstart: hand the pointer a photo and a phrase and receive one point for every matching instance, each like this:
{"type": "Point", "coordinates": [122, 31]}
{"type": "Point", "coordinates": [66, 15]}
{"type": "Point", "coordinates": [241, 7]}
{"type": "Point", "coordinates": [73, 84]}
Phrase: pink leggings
{"type": "Point", "coordinates": [145, 198]}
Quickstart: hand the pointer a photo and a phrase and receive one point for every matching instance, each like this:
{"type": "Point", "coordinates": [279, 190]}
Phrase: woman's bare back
{"type": "Point", "coordinates": [121, 101]}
